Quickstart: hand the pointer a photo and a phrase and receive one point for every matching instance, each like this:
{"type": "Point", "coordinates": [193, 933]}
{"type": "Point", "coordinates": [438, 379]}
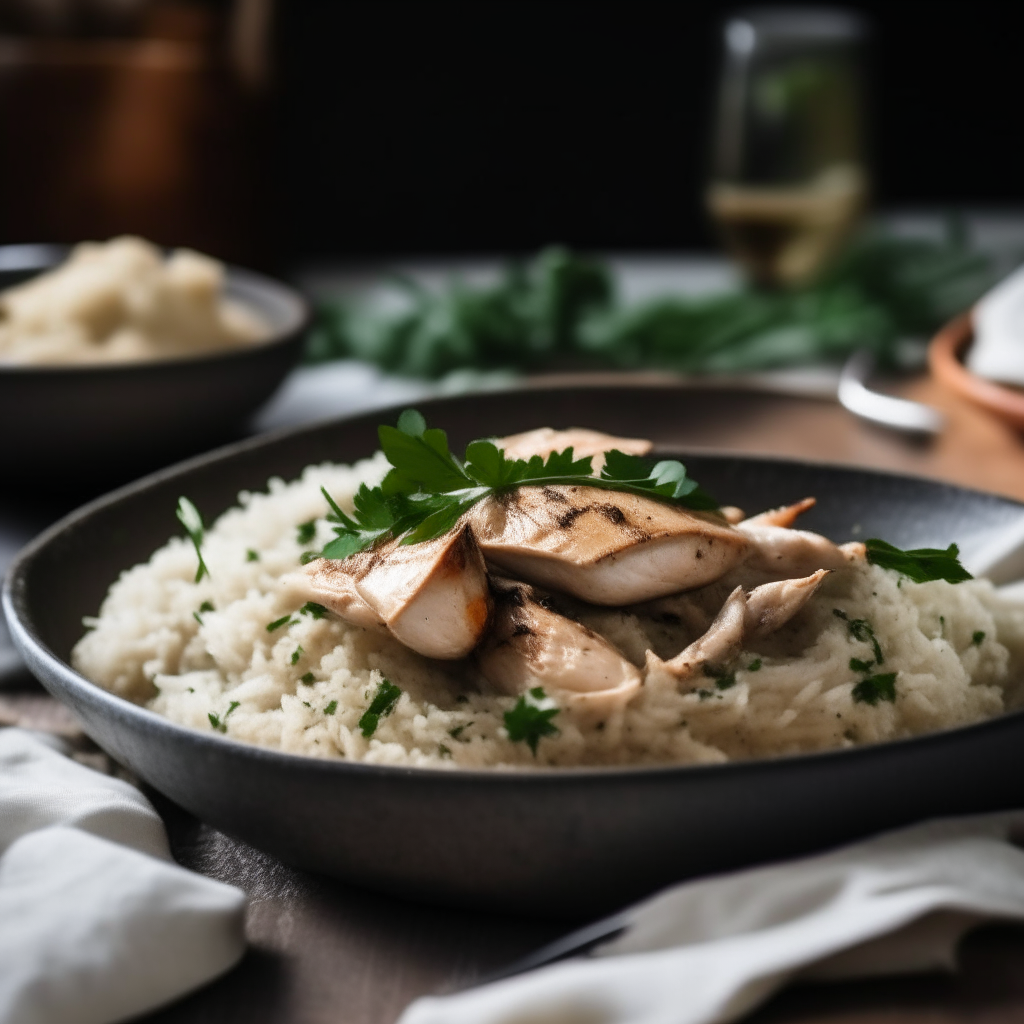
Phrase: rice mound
{"type": "Point", "coordinates": [958, 651]}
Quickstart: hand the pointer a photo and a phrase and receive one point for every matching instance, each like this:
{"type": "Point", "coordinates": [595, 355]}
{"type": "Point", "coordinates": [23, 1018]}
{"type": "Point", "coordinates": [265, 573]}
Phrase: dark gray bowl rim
{"type": "Point", "coordinates": [23, 632]}
{"type": "Point", "coordinates": [40, 257]}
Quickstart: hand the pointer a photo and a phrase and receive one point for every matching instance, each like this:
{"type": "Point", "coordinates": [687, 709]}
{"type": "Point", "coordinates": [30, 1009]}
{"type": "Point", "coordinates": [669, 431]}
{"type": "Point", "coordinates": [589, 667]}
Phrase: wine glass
{"type": "Point", "coordinates": [789, 179]}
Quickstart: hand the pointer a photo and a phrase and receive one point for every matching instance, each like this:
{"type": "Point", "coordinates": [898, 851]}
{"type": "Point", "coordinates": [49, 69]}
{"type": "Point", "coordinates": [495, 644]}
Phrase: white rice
{"type": "Point", "coordinates": [958, 651]}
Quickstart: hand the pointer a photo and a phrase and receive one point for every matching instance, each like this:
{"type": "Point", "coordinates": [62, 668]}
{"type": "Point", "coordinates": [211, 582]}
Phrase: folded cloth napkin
{"type": "Point", "coordinates": [97, 923]}
{"type": "Point", "coordinates": [998, 349]}
{"type": "Point", "coordinates": [709, 951]}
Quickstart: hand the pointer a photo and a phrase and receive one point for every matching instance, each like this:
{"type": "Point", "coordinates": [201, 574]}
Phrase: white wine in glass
{"type": "Point", "coordinates": [789, 180]}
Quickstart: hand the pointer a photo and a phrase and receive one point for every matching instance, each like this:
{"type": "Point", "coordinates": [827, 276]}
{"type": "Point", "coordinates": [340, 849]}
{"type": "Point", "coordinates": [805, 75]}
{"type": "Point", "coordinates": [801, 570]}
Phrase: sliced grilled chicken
{"type": "Point", "coordinates": [433, 596]}
{"type": "Point", "coordinates": [544, 441]}
{"type": "Point", "coordinates": [605, 547]}
{"type": "Point", "coordinates": [743, 617]}
{"type": "Point", "coordinates": [529, 645]}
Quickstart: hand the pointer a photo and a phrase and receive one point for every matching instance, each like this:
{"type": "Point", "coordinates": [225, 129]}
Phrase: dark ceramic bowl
{"type": "Point", "coordinates": [114, 421]}
{"type": "Point", "coordinates": [573, 842]}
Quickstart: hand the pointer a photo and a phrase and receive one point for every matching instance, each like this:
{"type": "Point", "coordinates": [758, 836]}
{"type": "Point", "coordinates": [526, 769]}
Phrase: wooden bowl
{"type": "Point", "coordinates": [945, 357]}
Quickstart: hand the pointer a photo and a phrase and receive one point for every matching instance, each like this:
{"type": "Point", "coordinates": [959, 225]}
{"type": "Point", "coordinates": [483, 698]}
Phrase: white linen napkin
{"type": "Point", "coordinates": [709, 951]}
{"type": "Point", "coordinates": [97, 923]}
{"type": "Point", "coordinates": [998, 317]}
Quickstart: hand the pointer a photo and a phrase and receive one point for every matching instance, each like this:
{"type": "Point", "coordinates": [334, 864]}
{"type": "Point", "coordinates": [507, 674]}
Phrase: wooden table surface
{"type": "Point", "coordinates": [321, 951]}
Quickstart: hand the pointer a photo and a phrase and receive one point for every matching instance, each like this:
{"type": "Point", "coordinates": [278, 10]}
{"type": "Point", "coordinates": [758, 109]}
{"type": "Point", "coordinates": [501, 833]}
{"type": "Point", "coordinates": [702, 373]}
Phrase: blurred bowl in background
{"type": "Point", "coordinates": [945, 357]}
{"type": "Point", "coordinates": [110, 422]}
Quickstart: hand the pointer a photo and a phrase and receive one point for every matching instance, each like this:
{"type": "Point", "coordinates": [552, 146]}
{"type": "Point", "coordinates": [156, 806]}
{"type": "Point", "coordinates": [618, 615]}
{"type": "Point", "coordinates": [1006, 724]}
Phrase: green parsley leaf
{"type": "Point", "coordinates": [305, 532]}
{"type": "Point", "coordinates": [278, 623]}
{"type": "Point", "coordinates": [667, 479]}
{"type": "Point", "coordinates": [189, 517]}
{"type": "Point", "coordinates": [317, 611]}
{"type": "Point", "coordinates": [530, 719]}
{"type": "Point", "coordinates": [443, 750]}
{"type": "Point", "coordinates": [977, 636]}
{"type": "Point", "coordinates": [755, 665]}
{"type": "Point", "coordinates": [296, 654]}
{"type": "Point", "coordinates": [331, 708]}
{"type": "Point", "coordinates": [381, 706]}
{"type": "Point", "coordinates": [876, 688]}
{"type": "Point", "coordinates": [206, 606]}
{"type": "Point", "coordinates": [309, 556]}
{"type": "Point", "coordinates": [309, 679]}
{"type": "Point", "coordinates": [456, 732]}
{"type": "Point", "coordinates": [919, 564]}
{"type": "Point", "coordinates": [856, 665]}
{"type": "Point", "coordinates": [252, 555]}
{"type": "Point", "coordinates": [428, 489]}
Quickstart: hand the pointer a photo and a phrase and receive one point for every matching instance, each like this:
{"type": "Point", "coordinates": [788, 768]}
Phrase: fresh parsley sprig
{"type": "Point", "coordinates": [922, 565]}
{"type": "Point", "coordinates": [189, 517]}
{"type": "Point", "coordinates": [428, 489]}
{"type": "Point", "coordinates": [530, 719]}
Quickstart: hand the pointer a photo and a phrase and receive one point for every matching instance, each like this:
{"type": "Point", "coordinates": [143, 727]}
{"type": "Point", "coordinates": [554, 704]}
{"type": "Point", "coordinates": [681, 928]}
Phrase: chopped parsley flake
{"type": "Point", "coordinates": [278, 623]}
{"type": "Point", "coordinates": [306, 532]}
{"type": "Point", "coordinates": [221, 724]}
{"type": "Point", "coordinates": [723, 678]}
{"type": "Point", "coordinates": [977, 637]}
{"type": "Point", "coordinates": [308, 705]}
{"type": "Point", "coordinates": [856, 665]}
{"type": "Point", "coordinates": [456, 732]}
{"type": "Point", "coordinates": [443, 750]}
{"type": "Point", "coordinates": [252, 555]}
{"type": "Point", "coordinates": [919, 564]}
{"type": "Point", "coordinates": [197, 617]}
{"type": "Point", "coordinates": [755, 665]}
{"type": "Point", "coordinates": [530, 719]}
{"type": "Point", "coordinates": [297, 653]}
{"type": "Point", "coordinates": [331, 708]}
{"type": "Point", "coordinates": [318, 611]}
{"type": "Point", "coordinates": [189, 517]}
{"type": "Point", "coordinates": [705, 694]}
{"type": "Point", "coordinates": [861, 629]}
{"type": "Point", "coordinates": [876, 688]}
{"type": "Point", "coordinates": [309, 556]}
{"type": "Point", "coordinates": [309, 679]}
{"type": "Point", "coordinates": [381, 706]}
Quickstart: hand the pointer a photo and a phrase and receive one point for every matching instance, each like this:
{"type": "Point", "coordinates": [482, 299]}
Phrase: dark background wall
{"type": "Point", "coordinates": [412, 127]}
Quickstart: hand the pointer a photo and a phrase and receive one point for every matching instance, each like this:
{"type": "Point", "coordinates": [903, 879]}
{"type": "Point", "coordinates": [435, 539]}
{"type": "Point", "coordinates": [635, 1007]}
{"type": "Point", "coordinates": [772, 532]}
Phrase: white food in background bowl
{"type": "Point", "coordinates": [123, 301]}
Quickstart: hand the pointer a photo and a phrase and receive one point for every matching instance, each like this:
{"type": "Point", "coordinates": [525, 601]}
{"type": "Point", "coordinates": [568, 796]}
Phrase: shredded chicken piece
{"type": "Point", "coordinates": [743, 617]}
{"type": "Point", "coordinates": [529, 645]}
{"type": "Point", "coordinates": [784, 515]}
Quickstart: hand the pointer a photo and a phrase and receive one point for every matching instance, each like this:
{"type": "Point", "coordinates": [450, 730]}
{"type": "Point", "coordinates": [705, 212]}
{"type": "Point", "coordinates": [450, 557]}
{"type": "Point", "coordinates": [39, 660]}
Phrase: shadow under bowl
{"type": "Point", "coordinates": [111, 422]}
